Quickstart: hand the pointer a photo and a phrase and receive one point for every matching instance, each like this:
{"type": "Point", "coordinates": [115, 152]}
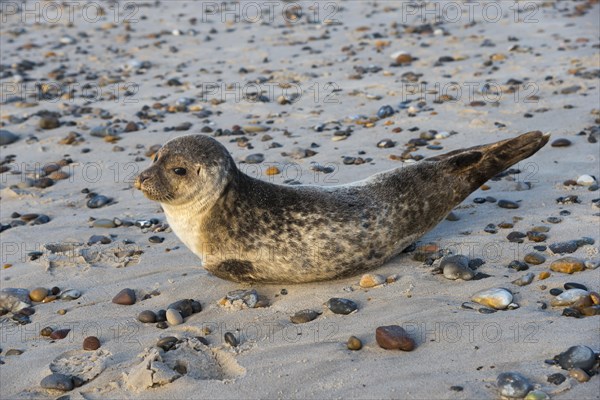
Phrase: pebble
{"type": "Point", "coordinates": [544, 275]}
{"type": "Point", "coordinates": [371, 280]}
{"type": "Point", "coordinates": [354, 343]}
{"type": "Point", "coordinates": [385, 111]}
{"type": "Point", "coordinates": [524, 280]}
{"type": "Point", "coordinates": [452, 217]}
{"type": "Point", "coordinates": [574, 285]}
{"type": "Point", "coordinates": [7, 137]}
{"type": "Point", "coordinates": [508, 204]}
{"type": "Point", "coordinates": [457, 267]}
{"type": "Point", "coordinates": [91, 343]}
{"type": "Point", "coordinates": [248, 297]}
{"type": "Point", "coordinates": [496, 298]}
{"type": "Point", "coordinates": [49, 123]}
{"type": "Point", "coordinates": [567, 265]}
{"type": "Point", "coordinates": [401, 57]}
{"type": "Point", "coordinates": [38, 294]}
{"type": "Point", "coordinates": [518, 265]}
{"type": "Point", "coordinates": [571, 312]}
{"type": "Point", "coordinates": [59, 334]}
{"type": "Point", "coordinates": [586, 180]}
{"type": "Point", "coordinates": [98, 239]}
{"type": "Point", "coordinates": [254, 158]}
{"type": "Point", "coordinates": [564, 247]}
{"type": "Point", "coordinates": [162, 324]}
{"type": "Point", "coordinates": [341, 306]}
{"type": "Point", "coordinates": [98, 201]}
{"type": "Point", "coordinates": [174, 317]}
{"type": "Point", "coordinates": [534, 258]}
{"type": "Point", "coordinates": [579, 374]}
{"type": "Point", "coordinates": [490, 228]}
{"type": "Point", "coordinates": [125, 297]}
{"type": "Point", "coordinates": [46, 332]}
{"type": "Point", "coordinates": [304, 316]}
{"type": "Point", "coordinates": [103, 223]}
{"type": "Point", "coordinates": [58, 382]}
{"type": "Point", "coordinates": [556, 378]}
{"type": "Point", "coordinates": [536, 236]}
{"type": "Point", "coordinates": [167, 342]}
{"type": "Point", "coordinates": [569, 297]}
{"type": "Point", "coordinates": [577, 357]}
{"type": "Point", "coordinates": [186, 307]}
{"type": "Point", "coordinates": [156, 239]}
{"type": "Point", "coordinates": [230, 339]}
{"type": "Point", "coordinates": [386, 144]}
{"type": "Point", "coordinates": [393, 337]}
{"type": "Point", "coordinates": [161, 315]}
{"type": "Point", "coordinates": [14, 352]}
{"type": "Point", "coordinates": [555, 291]}
{"type": "Point", "coordinates": [561, 143]}
{"type": "Point", "coordinates": [513, 385]}
{"type": "Point", "coordinates": [516, 237]}
{"type": "Point", "coordinates": [70, 294]}
{"type": "Point", "coordinates": [147, 317]}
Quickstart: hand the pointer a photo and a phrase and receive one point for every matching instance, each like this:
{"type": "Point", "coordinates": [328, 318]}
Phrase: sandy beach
{"type": "Point", "coordinates": [297, 93]}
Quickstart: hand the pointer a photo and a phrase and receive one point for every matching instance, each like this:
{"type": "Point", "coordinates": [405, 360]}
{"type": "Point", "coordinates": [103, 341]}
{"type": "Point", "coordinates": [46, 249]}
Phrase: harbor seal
{"type": "Point", "coordinates": [246, 229]}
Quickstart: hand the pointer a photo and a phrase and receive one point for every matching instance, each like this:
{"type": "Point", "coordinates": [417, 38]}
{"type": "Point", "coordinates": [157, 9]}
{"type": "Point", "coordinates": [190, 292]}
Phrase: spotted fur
{"type": "Point", "coordinates": [245, 229]}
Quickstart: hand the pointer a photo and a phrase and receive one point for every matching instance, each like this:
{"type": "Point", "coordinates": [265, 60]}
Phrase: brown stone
{"type": "Point", "coordinates": [393, 337]}
{"type": "Point", "coordinates": [534, 258]}
{"type": "Point", "coordinates": [125, 297]}
{"type": "Point", "coordinates": [91, 343]}
{"type": "Point", "coordinates": [59, 334]}
{"type": "Point", "coordinates": [567, 265]}
{"type": "Point", "coordinates": [38, 294]}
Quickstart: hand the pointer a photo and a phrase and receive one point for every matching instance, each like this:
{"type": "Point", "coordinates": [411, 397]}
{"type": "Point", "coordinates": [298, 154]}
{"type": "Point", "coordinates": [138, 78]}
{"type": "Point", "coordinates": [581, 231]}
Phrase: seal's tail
{"type": "Point", "coordinates": [480, 163]}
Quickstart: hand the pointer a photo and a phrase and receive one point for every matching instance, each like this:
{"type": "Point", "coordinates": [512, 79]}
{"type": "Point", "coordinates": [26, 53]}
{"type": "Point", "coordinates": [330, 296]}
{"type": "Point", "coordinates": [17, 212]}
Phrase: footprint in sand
{"type": "Point", "coordinates": [188, 358]}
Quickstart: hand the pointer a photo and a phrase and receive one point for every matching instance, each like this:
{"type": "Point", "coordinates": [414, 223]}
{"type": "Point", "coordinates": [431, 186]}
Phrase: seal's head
{"type": "Point", "coordinates": [192, 168]}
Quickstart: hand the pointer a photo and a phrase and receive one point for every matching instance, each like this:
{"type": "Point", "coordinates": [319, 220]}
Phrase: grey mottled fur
{"type": "Point", "coordinates": [246, 229]}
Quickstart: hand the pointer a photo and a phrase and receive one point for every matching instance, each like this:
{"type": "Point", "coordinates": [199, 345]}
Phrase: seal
{"type": "Point", "coordinates": [245, 229]}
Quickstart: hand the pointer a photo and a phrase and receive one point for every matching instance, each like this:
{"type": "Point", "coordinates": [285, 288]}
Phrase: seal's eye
{"type": "Point", "coordinates": [155, 158]}
{"type": "Point", "coordinates": [180, 171]}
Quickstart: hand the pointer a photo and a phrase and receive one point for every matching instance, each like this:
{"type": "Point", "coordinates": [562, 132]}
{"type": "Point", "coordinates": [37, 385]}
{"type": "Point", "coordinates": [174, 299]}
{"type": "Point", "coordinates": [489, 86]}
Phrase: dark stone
{"type": "Point", "coordinates": [516, 237]}
{"type": "Point", "coordinates": [185, 307]}
{"type": "Point", "coordinates": [341, 306]}
{"type": "Point", "coordinates": [518, 265]}
{"type": "Point", "coordinates": [574, 285]}
{"type": "Point", "coordinates": [572, 312]}
{"type": "Point", "coordinates": [57, 382]}
{"type": "Point", "coordinates": [393, 337]}
{"type": "Point", "coordinates": [577, 357]}
{"type": "Point", "coordinates": [508, 204]}
{"type": "Point", "coordinates": [230, 339]}
{"type": "Point", "coordinates": [556, 378]}
{"type": "Point", "coordinates": [564, 247]}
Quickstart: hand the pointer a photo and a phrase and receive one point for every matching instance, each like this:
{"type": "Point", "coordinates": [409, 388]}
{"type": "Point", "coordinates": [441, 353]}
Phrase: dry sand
{"type": "Point", "coordinates": [554, 46]}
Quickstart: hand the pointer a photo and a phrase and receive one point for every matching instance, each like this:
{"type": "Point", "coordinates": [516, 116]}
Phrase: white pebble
{"type": "Point", "coordinates": [174, 317]}
{"type": "Point", "coordinates": [442, 135]}
{"type": "Point", "coordinates": [496, 298]}
{"type": "Point", "coordinates": [586, 180]}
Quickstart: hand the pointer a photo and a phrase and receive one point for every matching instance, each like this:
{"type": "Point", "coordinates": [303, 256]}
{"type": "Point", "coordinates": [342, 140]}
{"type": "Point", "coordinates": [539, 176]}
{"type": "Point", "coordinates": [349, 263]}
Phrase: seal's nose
{"type": "Point", "coordinates": [141, 178]}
